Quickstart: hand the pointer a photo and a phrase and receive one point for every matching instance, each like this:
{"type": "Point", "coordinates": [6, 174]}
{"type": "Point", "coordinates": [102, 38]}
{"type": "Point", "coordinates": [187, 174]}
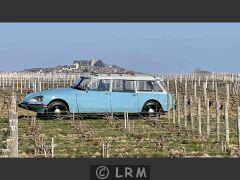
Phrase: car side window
{"type": "Point", "coordinates": [145, 86]}
{"type": "Point", "coordinates": [104, 85]}
{"type": "Point", "coordinates": [129, 86]}
{"type": "Point", "coordinates": [99, 85]}
{"type": "Point", "coordinates": [123, 86]}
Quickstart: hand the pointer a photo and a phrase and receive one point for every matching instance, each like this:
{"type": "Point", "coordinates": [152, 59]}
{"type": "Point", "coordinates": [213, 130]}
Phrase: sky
{"type": "Point", "coordinates": [143, 47]}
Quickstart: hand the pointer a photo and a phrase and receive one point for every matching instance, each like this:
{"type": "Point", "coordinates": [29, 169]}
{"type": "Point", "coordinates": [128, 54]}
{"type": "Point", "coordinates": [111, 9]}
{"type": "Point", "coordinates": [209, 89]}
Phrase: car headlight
{"type": "Point", "coordinates": [37, 99]}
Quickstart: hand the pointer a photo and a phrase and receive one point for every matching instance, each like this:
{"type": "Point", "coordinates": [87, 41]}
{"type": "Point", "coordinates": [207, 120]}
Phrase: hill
{"type": "Point", "coordinates": [82, 66]}
{"type": "Point", "coordinates": [200, 71]}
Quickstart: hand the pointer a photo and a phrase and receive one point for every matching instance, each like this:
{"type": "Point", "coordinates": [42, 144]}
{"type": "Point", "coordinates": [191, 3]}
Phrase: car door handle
{"type": "Point", "coordinates": [134, 94]}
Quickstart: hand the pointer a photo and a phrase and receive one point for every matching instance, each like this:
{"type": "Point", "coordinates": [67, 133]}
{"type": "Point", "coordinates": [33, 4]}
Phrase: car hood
{"type": "Point", "coordinates": [59, 91]}
{"type": "Point", "coordinates": [51, 92]}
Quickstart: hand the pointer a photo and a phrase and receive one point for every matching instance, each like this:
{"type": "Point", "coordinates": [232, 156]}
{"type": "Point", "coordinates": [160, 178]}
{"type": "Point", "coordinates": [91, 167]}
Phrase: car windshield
{"type": "Point", "coordinates": [81, 83]}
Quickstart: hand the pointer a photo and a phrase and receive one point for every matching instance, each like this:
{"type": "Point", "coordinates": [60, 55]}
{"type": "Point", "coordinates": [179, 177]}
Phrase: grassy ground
{"type": "Point", "coordinates": [148, 138]}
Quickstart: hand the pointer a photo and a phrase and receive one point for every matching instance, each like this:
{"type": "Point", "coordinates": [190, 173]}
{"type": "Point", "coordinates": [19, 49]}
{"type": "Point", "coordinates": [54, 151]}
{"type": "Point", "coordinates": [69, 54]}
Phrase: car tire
{"type": "Point", "coordinates": [57, 110]}
{"type": "Point", "coordinates": [152, 108]}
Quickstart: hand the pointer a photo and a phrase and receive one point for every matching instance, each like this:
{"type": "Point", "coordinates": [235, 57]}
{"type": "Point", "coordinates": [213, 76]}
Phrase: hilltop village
{"type": "Point", "coordinates": [82, 66]}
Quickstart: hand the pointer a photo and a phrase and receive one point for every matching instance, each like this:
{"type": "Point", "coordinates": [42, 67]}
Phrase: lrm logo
{"type": "Point", "coordinates": [110, 172]}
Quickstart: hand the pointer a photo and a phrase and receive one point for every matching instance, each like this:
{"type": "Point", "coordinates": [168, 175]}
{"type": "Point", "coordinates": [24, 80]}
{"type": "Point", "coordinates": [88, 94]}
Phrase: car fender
{"type": "Point", "coordinates": [70, 99]}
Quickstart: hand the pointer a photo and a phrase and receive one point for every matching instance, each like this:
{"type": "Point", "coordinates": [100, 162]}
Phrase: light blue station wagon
{"type": "Point", "coordinates": [114, 93]}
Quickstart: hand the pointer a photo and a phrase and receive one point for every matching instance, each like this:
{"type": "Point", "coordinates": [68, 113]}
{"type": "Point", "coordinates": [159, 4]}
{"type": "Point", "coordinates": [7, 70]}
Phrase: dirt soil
{"type": "Point", "coordinates": [5, 99]}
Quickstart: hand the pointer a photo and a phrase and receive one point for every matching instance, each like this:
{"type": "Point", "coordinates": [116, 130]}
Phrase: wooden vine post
{"type": "Point", "coordinates": [185, 111]}
{"type": "Point", "coordinates": [12, 141]}
{"type": "Point", "coordinates": [238, 120]}
{"type": "Point", "coordinates": [218, 121]}
{"type": "Point", "coordinates": [227, 94]}
{"type": "Point", "coordinates": [208, 119]}
{"type": "Point", "coordinates": [174, 111]}
{"type": "Point", "coordinates": [195, 91]}
{"type": "Point", "coordinates": [178, 111]}
{"type": "Point", "coordinates": [199, 118]}
{"type": "Point", "coordinates": [168, 106]}
{"type": "Point", "coordinates": [227, 124]}
{"type": "Point", "coordinates": [191, 113]}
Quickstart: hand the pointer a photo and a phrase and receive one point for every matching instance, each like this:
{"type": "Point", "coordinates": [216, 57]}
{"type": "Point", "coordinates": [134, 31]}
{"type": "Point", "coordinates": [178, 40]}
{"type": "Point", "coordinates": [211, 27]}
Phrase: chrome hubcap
{"type": "Point", "coordinates": [57, 110]}
{"type": "Point", "coordinates": [151, 110]}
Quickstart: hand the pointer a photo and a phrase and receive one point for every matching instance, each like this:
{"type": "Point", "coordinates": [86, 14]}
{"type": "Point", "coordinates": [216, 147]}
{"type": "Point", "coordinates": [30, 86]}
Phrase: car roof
{"type": "Point", "coordinates": [124, 76]}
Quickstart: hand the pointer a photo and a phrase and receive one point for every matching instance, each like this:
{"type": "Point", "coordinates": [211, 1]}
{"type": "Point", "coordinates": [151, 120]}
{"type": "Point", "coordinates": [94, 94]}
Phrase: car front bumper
{"type": "Point", "coordinates": [39, 108]}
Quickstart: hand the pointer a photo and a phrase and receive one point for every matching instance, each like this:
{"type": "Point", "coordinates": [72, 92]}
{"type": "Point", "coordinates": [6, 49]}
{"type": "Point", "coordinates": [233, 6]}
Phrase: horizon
{"type": "Point", "coordinates": [143, 47]}
{"type": "Point", "coordinates": [197, 68]}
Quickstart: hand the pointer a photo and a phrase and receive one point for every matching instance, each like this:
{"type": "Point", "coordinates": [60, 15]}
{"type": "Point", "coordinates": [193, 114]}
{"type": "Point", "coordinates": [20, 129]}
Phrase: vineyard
{"type": "Point", "coordinates": [204, 122]}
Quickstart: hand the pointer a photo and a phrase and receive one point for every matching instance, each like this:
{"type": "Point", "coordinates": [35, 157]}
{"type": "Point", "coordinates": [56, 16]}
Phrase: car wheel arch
{"type": "Point", "coordinates": [60, 100]}
{"type": "Point", "coordinates": [153, 101]}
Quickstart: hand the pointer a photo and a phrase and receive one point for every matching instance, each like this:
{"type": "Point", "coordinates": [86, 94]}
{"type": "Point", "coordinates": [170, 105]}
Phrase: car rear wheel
{"type": "Point", "coordinates": [57, 109]}
{"type": "Point", "coordinates": [152, 108]}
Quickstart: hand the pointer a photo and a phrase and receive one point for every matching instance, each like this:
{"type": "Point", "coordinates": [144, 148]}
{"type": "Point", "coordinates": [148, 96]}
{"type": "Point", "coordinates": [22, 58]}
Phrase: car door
{"type": "Point", "coordinates": [123, 96]}
{"type": "Point", "coordinates": [96, 98]}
